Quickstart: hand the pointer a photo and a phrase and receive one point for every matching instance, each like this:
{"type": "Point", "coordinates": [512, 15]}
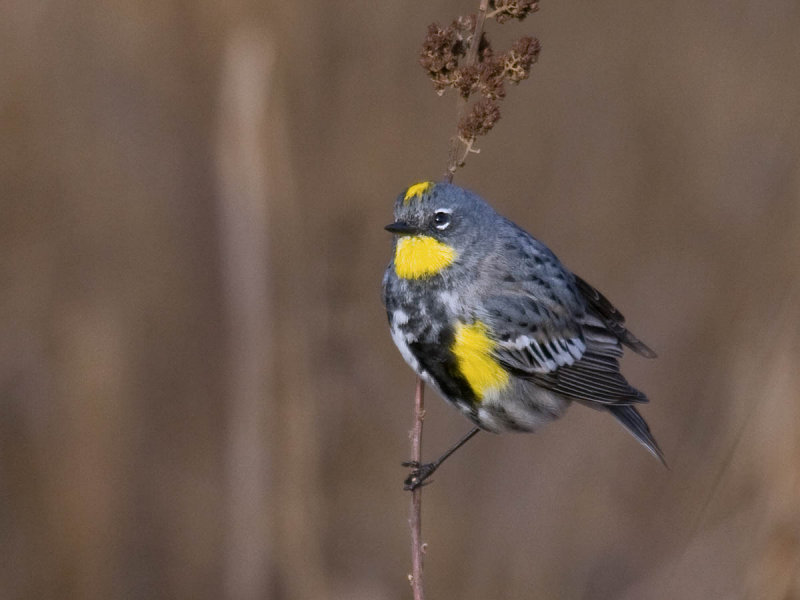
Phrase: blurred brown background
{"type": "Point", "coordinates": [199, 396]}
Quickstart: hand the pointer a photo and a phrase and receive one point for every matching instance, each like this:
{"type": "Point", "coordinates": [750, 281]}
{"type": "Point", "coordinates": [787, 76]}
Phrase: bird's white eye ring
{"type": "Point", "coordinates": [441, 218]}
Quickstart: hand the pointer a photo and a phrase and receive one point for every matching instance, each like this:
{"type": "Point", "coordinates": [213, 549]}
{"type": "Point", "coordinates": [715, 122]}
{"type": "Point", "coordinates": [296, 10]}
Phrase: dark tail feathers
{"type": "Point", "coordinates": [637, 426]}
{"type": "Point", "coordinates": [612, 319]}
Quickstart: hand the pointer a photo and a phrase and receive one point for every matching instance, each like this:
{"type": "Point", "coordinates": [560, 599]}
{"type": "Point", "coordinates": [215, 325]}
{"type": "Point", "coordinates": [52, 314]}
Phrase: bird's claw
{"type": "Point", "coordinates": [418, 475]}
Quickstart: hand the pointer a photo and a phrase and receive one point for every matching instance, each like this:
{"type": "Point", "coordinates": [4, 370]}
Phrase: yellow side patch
{"type": "Point", "coordinates": [419, 256]}
{"type": "Point", "coordinates": [473, 350]}
{"type": "Point", "coordinates": [417, 190]}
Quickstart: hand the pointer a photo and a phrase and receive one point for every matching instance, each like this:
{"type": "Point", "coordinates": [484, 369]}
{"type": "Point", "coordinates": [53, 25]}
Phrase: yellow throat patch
{"type": "Point", "coordinates": [420, 256]}
{"type": "Point", "coordinates": [473, 350]}
{"type": "Point", "coordinates": [417, 190]}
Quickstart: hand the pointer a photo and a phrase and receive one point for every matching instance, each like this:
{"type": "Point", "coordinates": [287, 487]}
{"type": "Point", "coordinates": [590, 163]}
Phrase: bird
{"type": "Point", "coordinates": [488, 316]}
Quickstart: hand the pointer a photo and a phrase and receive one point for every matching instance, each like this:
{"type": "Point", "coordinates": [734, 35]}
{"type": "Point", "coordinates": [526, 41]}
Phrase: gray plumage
{"type": "Point", "coordinates": [557, 337]}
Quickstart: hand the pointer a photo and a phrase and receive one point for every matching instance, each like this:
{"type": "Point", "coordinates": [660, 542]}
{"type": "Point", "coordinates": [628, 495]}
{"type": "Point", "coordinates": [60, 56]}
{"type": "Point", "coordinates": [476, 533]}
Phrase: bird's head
{"type": "Point", "coordinates": [435, 225]}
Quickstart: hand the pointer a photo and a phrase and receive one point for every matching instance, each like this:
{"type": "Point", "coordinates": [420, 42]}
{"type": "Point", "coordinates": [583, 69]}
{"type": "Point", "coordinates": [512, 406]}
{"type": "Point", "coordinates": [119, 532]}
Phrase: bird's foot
{"type": "Point", "coordinates": [419, 474]}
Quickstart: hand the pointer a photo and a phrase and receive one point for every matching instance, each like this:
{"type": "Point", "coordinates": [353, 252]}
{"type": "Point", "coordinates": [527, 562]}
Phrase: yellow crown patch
{"type": "Point", "coordinates": [417, 190]}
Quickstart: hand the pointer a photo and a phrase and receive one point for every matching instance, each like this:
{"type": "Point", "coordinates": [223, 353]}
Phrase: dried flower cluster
{"type": "Point", "coordinates": [446, 56]}
{"type": "Point", "coordinates": [518, 61]}
{"type": "Point", "coordinates": [479, 120]}
{"type": "Point", "coordinates": [444, 48]}
{"type": "Point", "coordinates": [503, 10]}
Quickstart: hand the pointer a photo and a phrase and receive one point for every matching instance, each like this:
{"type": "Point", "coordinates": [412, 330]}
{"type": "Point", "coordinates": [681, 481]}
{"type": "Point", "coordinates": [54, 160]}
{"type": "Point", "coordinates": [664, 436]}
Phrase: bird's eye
{"type": "Point", "coordinates": [441, 219]}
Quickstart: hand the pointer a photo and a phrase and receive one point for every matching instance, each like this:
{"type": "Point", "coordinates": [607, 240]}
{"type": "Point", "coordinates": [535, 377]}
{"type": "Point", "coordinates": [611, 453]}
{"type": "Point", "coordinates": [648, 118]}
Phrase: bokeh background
{"type": "Point", "coordinates": [199, 397]}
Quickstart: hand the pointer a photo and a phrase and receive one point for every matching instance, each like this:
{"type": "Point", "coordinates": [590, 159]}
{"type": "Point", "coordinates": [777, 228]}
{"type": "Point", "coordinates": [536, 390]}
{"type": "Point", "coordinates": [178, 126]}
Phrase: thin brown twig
{"type": "Point", "coordinates": [440, 53]}
{"type": "Point", "coordinates": [472, 57]}
{"type": "Point", "coordinates": [415, 515]}
{"type": "Point", "coordinates": [468, 143]}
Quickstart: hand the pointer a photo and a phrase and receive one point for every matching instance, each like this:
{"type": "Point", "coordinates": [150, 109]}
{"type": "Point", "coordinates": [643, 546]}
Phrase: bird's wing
{"type": "Point", "coordinates": [531, 337]}
{"type": "Point", "coordinates": [610, 318]}
{"type": "Point", "coordinates": [566, 351]}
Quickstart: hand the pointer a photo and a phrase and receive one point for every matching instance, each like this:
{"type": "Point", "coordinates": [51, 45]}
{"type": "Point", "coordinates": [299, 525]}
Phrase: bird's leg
{"type": "Point", "coordinates": [421, 472]}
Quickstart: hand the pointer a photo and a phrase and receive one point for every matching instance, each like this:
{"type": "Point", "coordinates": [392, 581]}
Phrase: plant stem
{"type": "Point", "coordinates": [415, 515]}
{"type": "Point", "coordinates": [454, 160]}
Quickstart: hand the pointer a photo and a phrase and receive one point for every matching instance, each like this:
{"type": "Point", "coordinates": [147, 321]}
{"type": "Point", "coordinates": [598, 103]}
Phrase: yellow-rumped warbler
{"type": "Point", "coordinates": [487, 315]}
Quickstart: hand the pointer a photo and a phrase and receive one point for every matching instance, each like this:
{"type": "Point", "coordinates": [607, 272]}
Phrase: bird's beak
{"type": "Point", "coordinates": [401, 228]}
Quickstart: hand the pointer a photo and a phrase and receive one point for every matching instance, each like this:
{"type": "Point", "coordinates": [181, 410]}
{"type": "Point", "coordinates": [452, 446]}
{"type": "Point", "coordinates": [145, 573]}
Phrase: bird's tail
{"type": "Point", "coordinates": [637, 426]}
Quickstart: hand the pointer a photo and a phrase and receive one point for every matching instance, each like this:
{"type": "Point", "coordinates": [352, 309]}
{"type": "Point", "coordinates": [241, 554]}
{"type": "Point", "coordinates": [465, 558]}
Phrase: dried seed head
{"type": "Point", "coordinates": [518, 61]}
{"type": "Point", "coordinates": [491, 76]}
{"type": "Point", "coordinates": [439, 55]}
{"type": "Point", "coordinates": [444, 56]}
{"type": "Point", "coordinates": [464, 28]}
{"type": "Point", "coordinates": [467, 80]}
{"type": "Point", "coordinates": [480, 120]}
{"type": "Point", "coordinates": [442, 50]}
{"type": "Point", "coordinates": [504, 10]}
